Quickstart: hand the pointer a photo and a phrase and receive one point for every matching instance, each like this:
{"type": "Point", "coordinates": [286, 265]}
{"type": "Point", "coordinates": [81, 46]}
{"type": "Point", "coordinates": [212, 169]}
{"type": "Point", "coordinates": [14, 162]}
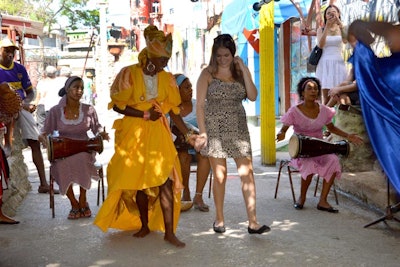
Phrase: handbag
{"type": "Point", "coordinates": [315, 55]}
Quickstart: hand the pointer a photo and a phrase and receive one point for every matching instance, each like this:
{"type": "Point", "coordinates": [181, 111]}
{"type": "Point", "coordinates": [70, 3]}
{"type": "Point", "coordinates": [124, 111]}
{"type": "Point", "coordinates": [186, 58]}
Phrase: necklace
{"type": "Point", "coordinates": [71, 113]}
{"type": "Point", "coordinates": [332, 31]}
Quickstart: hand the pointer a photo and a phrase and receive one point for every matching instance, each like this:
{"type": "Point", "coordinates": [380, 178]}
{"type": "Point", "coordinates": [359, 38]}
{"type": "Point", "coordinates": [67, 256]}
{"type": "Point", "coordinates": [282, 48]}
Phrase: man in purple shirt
{"type": "Point", "coordinates": [17, 78]}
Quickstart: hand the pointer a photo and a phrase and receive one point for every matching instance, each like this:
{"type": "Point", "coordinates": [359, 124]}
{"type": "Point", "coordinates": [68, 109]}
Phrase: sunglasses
{"type": "Point", "coordinates": [223, 38]}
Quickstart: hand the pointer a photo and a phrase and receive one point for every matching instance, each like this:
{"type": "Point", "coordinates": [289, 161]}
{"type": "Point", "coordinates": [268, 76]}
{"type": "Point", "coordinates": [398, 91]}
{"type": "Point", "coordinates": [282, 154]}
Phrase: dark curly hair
{"type": "Point", "coordinates": [301, 86]}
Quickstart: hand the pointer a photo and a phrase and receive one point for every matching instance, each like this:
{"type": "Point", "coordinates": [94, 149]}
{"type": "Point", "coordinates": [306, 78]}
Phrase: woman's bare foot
{"type": "Point", "coordinates": [142, 232]}
{"type": "Point", "coordinates": [171, 238]}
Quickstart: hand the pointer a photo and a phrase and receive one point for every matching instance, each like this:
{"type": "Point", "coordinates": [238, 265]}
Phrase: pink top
{"type": "Point", "coordinates": [78, 168]}
{"type": "Point", "coordinates": [305, 125]}
{"type": "Point", "coordinates": [324, 165]}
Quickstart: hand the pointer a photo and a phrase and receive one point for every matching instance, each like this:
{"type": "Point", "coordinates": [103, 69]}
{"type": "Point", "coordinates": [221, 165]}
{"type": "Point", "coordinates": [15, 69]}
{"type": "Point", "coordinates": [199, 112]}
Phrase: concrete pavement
{"type": "Point", "coordinates": [298, 238]}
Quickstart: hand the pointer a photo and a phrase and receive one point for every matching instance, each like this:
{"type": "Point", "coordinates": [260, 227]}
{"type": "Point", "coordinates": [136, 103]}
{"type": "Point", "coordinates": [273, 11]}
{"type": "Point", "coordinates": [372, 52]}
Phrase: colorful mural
{"type": "Point", "coordinates": [382, 10]}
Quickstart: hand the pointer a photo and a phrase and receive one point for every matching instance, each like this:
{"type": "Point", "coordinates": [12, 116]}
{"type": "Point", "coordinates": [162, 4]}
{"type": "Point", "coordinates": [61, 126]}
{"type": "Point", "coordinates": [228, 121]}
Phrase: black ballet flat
{"type": "Point", "coordinates": [262, 229]}
{"type": "Point", "coordinates": [219, 229]}
{"type": "Point", "coordinates": [298, 206]}
{"type": "Point", "coordinates": [9, 222]}
{"type": "Point", "coordinates": [330, 209]}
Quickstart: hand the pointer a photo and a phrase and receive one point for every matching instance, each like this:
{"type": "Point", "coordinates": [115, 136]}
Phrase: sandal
{"type": "Point", "coordinates": [201, 207]}
{"type": "Point", "coordinates": [46, 189]}
{"type": "Point", "coordinates": [86, 212]}
{"type": "Point", "coordinates": [74, 214]}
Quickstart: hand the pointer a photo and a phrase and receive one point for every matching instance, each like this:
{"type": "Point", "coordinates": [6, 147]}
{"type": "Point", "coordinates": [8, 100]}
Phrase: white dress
{"type": "Point", "coordinates": [331, 69]}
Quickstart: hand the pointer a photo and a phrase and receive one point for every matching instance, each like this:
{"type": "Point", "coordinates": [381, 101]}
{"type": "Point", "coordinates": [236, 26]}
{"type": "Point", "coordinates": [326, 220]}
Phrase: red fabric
{"type": "Point", "coordinates": [4, 173]}
{"type": "Point", "coordinates": [253, 37]}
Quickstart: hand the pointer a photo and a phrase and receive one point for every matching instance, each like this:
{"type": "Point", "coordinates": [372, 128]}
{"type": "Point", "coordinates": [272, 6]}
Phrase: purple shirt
{"type": "Point", "coordinates": [17, 77]}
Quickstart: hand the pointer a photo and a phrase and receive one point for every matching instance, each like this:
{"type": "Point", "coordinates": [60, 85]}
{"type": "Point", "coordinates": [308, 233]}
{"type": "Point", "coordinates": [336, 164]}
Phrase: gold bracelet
{"type": "Point", "coordinates": [188, 135]}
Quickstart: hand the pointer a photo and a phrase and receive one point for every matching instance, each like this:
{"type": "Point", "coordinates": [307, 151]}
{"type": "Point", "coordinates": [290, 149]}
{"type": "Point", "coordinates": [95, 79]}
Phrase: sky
{"type": "Point", "coordinates": [119, 14]}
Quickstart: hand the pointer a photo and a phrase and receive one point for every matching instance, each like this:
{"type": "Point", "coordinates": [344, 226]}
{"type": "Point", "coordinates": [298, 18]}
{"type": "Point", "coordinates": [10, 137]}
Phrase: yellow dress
{"type": "Point", "coordinates": [145, 155]}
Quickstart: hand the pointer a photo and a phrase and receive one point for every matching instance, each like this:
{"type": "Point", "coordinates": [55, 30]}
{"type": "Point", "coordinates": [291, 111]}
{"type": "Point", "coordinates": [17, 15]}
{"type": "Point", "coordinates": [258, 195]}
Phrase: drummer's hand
{"type": "Point", "coordinates": [43, 140]}
{"type": "Point", "coordinates": [280, 136]}
{"type": "Point", "coordinates": [355, 139]}
{"type": "Point", "coordinates": [105, 136]}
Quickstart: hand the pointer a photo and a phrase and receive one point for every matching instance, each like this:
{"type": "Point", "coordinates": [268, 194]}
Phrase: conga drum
{"type": "Point", "coordinates": [62, 147]}
{"type": "Point", "coordinates": [301, 146]}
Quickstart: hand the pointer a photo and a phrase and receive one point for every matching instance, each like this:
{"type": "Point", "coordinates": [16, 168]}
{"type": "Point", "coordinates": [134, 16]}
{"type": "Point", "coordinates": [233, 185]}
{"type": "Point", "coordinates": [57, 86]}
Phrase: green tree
{"type": "Point", "coordinates": [50, 12]}
{"type": "Point", "coordinates": [16, 7]}
{"type": "Point", "coordinates": [78, 15]}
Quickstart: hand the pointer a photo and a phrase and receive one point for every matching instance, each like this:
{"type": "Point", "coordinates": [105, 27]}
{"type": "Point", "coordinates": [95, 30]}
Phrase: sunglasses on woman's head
{"type": "Point", "coordinates": [223, 38]}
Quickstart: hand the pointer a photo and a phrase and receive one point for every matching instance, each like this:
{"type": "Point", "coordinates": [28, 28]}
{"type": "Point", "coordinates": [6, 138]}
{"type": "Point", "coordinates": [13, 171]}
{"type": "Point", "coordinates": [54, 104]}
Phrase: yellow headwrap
{"type": "Point", "coordinates": [158, 44]}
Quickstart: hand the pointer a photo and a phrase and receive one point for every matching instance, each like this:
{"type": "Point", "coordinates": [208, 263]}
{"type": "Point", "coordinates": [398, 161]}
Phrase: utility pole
{"type": "Point", "coordinates": [267, 84]}
{"type": "Point", "coordinates": [102, 71]}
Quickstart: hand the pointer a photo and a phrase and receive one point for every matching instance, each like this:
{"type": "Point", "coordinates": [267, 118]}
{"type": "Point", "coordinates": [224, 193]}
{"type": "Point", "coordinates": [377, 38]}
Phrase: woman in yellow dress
{"type": "Point", "coordinates": [144, 176]}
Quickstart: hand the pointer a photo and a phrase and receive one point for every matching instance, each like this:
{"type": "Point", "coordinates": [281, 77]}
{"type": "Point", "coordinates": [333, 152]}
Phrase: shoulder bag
{"type": "Point", "coordinates": [315, 55]}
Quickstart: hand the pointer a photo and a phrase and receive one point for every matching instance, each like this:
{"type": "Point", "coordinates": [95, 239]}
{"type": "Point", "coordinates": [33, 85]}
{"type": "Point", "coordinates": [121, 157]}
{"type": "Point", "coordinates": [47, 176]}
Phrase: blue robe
{"type": "Point", "coordinates": [378, 81]}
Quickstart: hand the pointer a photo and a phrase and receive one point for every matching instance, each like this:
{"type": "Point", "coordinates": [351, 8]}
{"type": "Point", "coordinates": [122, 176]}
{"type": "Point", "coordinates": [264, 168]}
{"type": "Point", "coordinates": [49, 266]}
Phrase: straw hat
{"type": "Point", "coordinates": [8, 43]}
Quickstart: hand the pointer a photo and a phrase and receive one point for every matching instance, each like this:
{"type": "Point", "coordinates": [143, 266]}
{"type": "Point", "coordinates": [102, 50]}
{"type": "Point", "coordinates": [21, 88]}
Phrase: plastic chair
{"type": "Point", "coordinates": [291, 170]}
{"type": "Point", "coordinates": [99, 168]}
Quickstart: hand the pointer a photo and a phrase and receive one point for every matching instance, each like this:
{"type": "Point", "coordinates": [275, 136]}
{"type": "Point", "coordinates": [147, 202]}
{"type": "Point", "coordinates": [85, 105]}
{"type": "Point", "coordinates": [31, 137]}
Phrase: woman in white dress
{"type": "Point", "coordinates": [331, 69]}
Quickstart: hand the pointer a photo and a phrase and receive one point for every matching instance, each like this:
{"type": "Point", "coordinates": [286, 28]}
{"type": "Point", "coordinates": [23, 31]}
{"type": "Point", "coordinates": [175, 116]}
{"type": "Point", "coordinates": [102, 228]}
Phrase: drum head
{"type": "Point", "coordinates": [294, 145]}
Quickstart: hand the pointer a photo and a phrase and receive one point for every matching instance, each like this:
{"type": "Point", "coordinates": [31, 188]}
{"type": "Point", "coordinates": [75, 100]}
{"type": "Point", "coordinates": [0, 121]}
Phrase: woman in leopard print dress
{"type": "Point", "coordinates": [221, 117]}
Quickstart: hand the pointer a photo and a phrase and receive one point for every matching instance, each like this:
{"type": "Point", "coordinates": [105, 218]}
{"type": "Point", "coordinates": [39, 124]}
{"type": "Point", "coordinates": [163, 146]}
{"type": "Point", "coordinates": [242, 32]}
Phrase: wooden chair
{"type": "Point", "coordinates": [100, 187]}
{"type": "Point", "coordinates": [291, 170]}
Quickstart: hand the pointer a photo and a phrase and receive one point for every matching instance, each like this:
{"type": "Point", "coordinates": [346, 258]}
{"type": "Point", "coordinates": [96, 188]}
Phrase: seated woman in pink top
{"type": "Point", "coordinates": [308, 118]}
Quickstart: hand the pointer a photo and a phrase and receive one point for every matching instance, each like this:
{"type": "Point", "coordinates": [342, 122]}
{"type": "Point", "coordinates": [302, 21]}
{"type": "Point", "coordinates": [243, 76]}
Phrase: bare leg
{"type": "Point", "coordinates": [82, 197]}
{"type": "Point", "coordinates": [332, 102]}
{"type": "Point", "coordinates": [185, 159]}
{"type": "Point", "coordinates": [220, 174]}
{"type": "Point", "coordinates": [83, 204]}
{"type": "Point", "coordinates": [8, 136]}
{"type": "Point", "coordinates": [245, 170]}
{"type": "Point", "coordinates": [71, 197]}
{"type": "Point", "coordinates": [324, 96]}
{"type": "Point", "coordinates": [167, 206]}
{"type": "Point", "coordinates": [142, 202]}
{"type": "Point", "coordinates": [345, 99]}
{"type": "Point", "coordinates": [203, 170]}
{"type": "Point", "coordinates": [326, 187]}
{"type": "Point", "coordinates": [305, 183]}
{"type": "Point", "coordinates": [75, 212]}
{"type": "Point", "coordinates": [38, 161]}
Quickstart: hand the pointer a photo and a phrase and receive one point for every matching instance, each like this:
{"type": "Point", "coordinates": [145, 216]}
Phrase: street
{"type": "Point", "coordinates": [308, 237]}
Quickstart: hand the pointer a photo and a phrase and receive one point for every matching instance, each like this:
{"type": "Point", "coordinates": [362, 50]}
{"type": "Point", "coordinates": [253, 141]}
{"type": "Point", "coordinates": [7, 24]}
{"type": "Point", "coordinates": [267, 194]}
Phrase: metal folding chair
{"type": "Point", "coordinates": [291, 170]}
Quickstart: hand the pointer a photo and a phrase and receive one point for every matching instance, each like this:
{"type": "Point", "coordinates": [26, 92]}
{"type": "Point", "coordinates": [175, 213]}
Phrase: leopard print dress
{"type": "Point", "coordinates": [225, 120]}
